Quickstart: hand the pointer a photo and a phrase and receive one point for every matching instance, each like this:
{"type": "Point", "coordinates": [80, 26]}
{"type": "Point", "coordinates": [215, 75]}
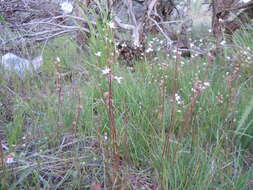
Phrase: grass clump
{"type": "Point", "coordinates": [87, 120]}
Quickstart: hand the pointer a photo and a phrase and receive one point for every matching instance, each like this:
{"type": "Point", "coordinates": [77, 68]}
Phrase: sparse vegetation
{"type": "Point", "coordinates": [87, 121]}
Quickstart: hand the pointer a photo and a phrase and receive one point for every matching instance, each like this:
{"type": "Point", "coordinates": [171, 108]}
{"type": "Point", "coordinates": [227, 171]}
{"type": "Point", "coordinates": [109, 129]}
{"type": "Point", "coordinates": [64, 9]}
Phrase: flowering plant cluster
{"type": "Point", "coordinates": [107, 71]}
{"type": "Point", "coordinates": [200, 86]}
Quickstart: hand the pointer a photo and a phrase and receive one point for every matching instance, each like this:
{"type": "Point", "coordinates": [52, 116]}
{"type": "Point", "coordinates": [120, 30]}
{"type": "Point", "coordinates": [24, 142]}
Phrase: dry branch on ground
{"type": "Point", "coordinates": [25, 22]}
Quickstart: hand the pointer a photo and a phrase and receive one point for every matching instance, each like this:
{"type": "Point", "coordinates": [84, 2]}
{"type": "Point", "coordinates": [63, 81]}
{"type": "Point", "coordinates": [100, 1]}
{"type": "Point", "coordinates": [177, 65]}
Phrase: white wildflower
{"type": "Point", "coordinates": [9, 158]}
{"type": "Point", "coordinates": [124, 44]}
{"type": "Point", "coordinates": [118, 79]}
{"type": "Point", "coordinates": [111, 25]}
{"type": "Point", "coordinates": [245, 52]}
{"type": "Point", "coordinates": [223, 42]}
{"type": "Point", "coordinates": [106, 71]}
{"type": "Point", "coordinates": [178, 99]}
{"type": "Point", "coordinates": [66, 7]}
{"type": "Point", "coordinates": [149, 50]}
{"type": "Point", "coordinates": [200, 86]}
{"type": "Point", "coordinates": [136, 44]}
{"type": "Point", "coordinates": [98, 54]}
{"type": "Point", "coordinates": [58, 59]}
{"type": "Point", "coordinates": [106, 136]}
{"type": "Point", "coordinates": [221, 20]}
{"type": "Point", "coordinates": [206, 84]}
{"type": "Point", "coordinates": [83, 163]}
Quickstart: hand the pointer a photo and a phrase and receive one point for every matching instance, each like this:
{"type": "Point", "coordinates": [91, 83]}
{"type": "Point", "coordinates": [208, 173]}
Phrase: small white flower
{"type": "Point", "coordinates": [9, 158]}
{"type": "Point", "coordinates": [178, 99]}
{"type": "Point", "coordinates": [149, 50]}
{"type": "Point", "coordinates": [206, 84]}
{"type": "Point", "coordinates": [118, 79]}
{"type": "Point", "coordinates": [221, 20]}
{"type": "Point", "coordinates": [66, 7]}
{"type": "Point", "coordinates": [83, 163]}
{"type": "Point", "coordinates": [98, 54]}
{"type": "Point", "coordinates": [58, 59]}
{"type": "Point", "coordinates": [223, 42]}
{"type": "Point", "coordinates": [105, 136]}
{"type": "Point", "coordinates": [124, 44]}
{"type": "Point", "coordinates": [245, 52]}
{"type": "Point", "coordinates": [106, 71]}
{"type": "Point", "coordinates": [111, 25]}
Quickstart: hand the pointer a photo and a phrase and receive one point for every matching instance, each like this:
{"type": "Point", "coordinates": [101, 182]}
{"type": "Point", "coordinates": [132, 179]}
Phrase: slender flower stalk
{"type": "Point", "coordinates": [172, 116]}
{"type": "Point", "coordinates": [60, 93]}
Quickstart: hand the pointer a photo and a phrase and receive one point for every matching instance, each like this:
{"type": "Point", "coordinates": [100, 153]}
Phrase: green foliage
{"type": "Point", "coordinates": [209, 154]}
{"type": "Point", "coordinates": [2, 19]}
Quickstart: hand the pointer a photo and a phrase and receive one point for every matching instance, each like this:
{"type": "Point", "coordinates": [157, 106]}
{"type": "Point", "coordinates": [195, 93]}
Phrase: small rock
{"type": "Point", "coordinates": [13, 63]}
